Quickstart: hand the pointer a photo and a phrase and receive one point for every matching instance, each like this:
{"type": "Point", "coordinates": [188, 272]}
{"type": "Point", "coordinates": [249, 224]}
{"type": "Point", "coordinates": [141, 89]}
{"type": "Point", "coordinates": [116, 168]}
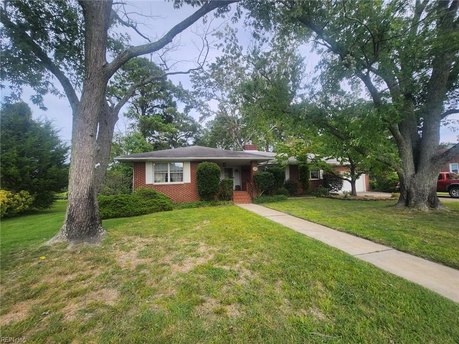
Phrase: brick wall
{"type": "Point", "coordinates": [187, 192]}
{"type": "Point", "coordinates": [445, 167]}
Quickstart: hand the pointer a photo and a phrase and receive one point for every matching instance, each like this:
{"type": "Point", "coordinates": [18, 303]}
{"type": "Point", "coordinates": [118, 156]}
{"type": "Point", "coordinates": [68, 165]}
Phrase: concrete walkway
{"type": "Point", "coordinates": [439, 278]}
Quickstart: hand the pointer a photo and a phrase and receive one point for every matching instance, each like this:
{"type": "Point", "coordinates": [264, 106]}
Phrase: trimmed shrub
{"type": "Point", "coordinates": [12, 204]}
{"type": "Point", "coordinates": [264, 182]}
{"type": "Point", "coordinates": [332, 182]}
{"type": "Point", "coordinates": [321, 192]}
{"type": "Point", "coordinates": [226, 190]}
{"type": "Point", "coordinates": [208, 176]}
{"type": "Point", "coordinates": [268, 199]}
{"type": "Point", "coordinates": [282, 191]}
{"type": "Point", "coordinates": [278, 174]}
{"type": "Point", "coordinates": [140, 202]}
{"type": "Point", "coordinates": [291, 187]}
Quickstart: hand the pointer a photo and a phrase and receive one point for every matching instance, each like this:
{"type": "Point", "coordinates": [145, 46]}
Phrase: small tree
{"type": "Point", "coordinates": [264, 182]}
{"type": "Point", "coordinates": [208, 175]}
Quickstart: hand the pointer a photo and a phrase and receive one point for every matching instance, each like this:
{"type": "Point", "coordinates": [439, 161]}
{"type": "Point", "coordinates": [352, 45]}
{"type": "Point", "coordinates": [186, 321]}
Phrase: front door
{"type": "Point", "coordinates": [233, 173]}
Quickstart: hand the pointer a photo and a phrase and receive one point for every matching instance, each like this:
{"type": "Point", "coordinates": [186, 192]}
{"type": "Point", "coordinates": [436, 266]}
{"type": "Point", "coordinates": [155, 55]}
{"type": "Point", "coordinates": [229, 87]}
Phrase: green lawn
{"type": "Point", "coordinates": [208, 275]}
{"type": "Point", "coordinates": [433, 235]}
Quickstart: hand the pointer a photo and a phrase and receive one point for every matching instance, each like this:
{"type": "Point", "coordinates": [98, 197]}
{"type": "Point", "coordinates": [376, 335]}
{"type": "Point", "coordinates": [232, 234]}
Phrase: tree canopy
{"type": "Point", "coordinates": [406, 56]}
{"type": "Point", "coordinates": [33, 158]}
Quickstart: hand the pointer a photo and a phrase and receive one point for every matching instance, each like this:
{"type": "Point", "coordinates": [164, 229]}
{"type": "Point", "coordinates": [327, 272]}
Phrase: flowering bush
{"type": "Point", "coordinates": [12, 204]}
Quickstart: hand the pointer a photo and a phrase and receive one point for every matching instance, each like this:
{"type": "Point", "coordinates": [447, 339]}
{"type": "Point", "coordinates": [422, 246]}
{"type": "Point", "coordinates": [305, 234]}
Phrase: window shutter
{"type": "Point", "coordinates": [287, 172]}
{"type": "Point", "coordinates": [186, 172]}
{"type": "Point", "coordinates": [149, 172]}
{"type": "Point", "coordinates": [321, 174]}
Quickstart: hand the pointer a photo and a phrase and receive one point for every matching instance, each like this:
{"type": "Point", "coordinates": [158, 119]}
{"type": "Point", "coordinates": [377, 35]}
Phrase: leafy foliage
{"type": "Point", "coordinates": [279, 175]}
{"type": "Point", "coordinates": [282, 191]}
{"type": "Point", "coordinates": [118, 178]}
{"type": "Point", "coordinates": [303, 177]}
{"type": "Point", "coordinates": [332, 182]}
{"type": "Point", "coordinates": [264, 182]}
{"type": "Point", "coordinates": [404, 54]}
{"type": "Point", "coordinates": [153, 106]}
{"type": "Point", "coordinates": [32, 156]}
{"type": "Point", "coordinates": [226, 190]}
{"type": "Point", "coordinates": [140, 202]}
{"type": "Point", "coordinates": [208, 178]}
{"type": "Point", "coordinates": [292, 187]}
{"type": "Point", "coordinates": [13, 204]}
{"type": "Point", "coordinates": [253, 90]}
{"type": "Point", "coordinates": [117, 182]}
{"type": "Point", "coordinates": [57, 27]}
{"type": "Point", "coordinates": [385, 182]}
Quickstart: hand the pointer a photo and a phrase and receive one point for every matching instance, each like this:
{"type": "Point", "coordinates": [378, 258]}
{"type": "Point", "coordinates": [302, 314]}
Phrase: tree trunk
{"type": "Point", "coordinates": [419, 191]}
{"type": "Point", "coordinates": [82, 221]}
{"type": "Point", "coordinates": [353, 188]}
{"type": "Point", "coordinates": [106, 127]}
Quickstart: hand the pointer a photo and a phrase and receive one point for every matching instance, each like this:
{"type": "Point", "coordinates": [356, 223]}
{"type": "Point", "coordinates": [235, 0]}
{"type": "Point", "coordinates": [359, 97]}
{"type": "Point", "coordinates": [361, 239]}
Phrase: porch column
{"type": "Point", "coordinates": [251, 184]}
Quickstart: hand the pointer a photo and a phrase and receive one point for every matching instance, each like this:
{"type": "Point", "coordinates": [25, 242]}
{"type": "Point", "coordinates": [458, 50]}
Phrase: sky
{"type": "Point", "coordinates": [155, 18]}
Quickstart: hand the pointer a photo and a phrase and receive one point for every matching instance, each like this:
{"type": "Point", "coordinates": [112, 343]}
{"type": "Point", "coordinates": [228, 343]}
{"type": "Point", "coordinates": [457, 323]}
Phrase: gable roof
{"type": "Point", "coordinates": [194, 153]}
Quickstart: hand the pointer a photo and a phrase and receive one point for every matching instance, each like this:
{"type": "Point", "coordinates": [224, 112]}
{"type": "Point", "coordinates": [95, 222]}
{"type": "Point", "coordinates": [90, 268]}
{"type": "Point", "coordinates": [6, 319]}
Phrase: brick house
{"type": "Point", "coordinates": [452, 165]}
{"type": "Point", "coordinates": [173, 171]}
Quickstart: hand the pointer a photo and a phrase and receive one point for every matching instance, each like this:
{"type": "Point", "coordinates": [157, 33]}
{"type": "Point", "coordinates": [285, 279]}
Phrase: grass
{"type": "Point", "coordinates": [213, 275]}
{"type": "Point", "coordinates": [432, 235]}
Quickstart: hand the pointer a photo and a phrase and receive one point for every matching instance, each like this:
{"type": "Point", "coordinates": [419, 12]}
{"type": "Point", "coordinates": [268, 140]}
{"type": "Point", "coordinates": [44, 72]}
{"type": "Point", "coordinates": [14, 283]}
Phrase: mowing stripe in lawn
{"type": "Point", "coordinates": [436, 277]}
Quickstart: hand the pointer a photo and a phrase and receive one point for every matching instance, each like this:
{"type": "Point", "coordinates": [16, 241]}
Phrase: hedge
{"type": "Point", "coordinates": [208, 177]}
{"type": "Point", "coordinates": [140, 202]}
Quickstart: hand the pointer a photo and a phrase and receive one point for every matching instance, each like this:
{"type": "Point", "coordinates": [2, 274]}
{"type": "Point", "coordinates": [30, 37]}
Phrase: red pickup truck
{"type": "Point", "coordinates": [448, 182]}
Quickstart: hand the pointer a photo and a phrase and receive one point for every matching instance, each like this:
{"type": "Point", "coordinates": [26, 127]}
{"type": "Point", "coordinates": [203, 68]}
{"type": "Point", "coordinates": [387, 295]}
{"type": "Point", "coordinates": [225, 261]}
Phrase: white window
{"type": "Point", "coordinates": [168, 172]}
{"type": "Point", "coordinates": [454, 167]}
{"type": "Point", "coordinates": [314, 174]}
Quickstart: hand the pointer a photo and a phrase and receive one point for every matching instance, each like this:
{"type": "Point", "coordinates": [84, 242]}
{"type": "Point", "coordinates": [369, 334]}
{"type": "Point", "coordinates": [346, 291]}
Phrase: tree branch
{"type": "Point", "coordinates": [42, 56]}
{"type": "Point", "coordinates": [449, 112]}
{"type": "Point", "coordinates": [129, 23]}
{"type": "Point", "coordinates": [167, 38]}
{"type": "Point", "coordinates": [130, 92]}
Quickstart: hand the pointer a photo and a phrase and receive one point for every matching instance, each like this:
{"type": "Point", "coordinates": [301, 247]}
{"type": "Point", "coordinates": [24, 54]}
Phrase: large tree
{"type": "Point", "coordinates": [405, 53]}
{"type": "Point", "coordinates": [33, 158]}
{"type": "Point", "coordinates": [350, 131]}
{"type": "Point", "coordinates": [70, 41]}
{"type": "Point", "coordinates": [154, 107]}
{"type": "Point", "coordinates": [252, 91]}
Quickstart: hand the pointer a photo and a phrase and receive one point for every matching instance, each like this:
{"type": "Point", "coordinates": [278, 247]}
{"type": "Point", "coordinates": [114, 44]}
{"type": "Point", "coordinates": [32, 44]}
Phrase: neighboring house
{"type": "Point", "coordinates": [452, 165]}
{"type": "Point", "coordinates": [362, 184]}
{"type": "Point", "coordinates": [173, 171]}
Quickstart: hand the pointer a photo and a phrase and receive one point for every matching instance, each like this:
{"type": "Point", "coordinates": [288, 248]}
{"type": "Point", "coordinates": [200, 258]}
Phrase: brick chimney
{"type": "Point", "coordinates": [249, 147]}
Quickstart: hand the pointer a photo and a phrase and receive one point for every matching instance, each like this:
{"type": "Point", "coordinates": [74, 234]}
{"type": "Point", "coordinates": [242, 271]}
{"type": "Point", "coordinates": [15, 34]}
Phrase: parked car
{"type": "Point", "coordinates": [448, 182]}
